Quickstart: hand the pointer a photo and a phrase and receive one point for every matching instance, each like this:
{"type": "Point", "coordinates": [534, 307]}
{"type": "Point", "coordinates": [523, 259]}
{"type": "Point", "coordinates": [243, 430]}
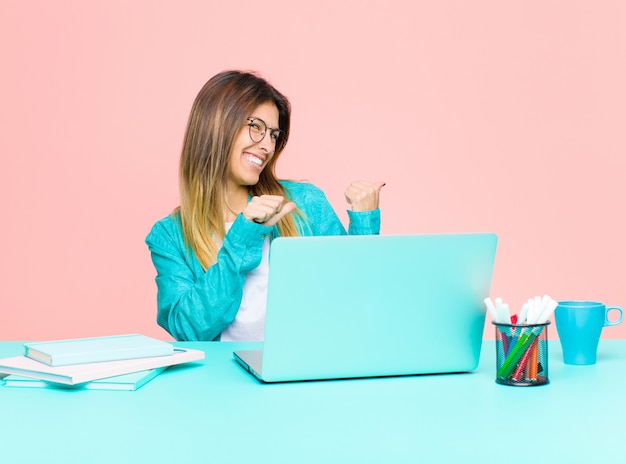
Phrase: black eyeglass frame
{"type": "Point", "coordinates": [281, 138]}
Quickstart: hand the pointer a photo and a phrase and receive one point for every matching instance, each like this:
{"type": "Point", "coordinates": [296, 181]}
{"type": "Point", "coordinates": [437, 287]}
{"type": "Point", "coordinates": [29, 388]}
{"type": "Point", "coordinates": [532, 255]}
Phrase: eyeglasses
{"type": "Point", "coordinates": [258, 128]}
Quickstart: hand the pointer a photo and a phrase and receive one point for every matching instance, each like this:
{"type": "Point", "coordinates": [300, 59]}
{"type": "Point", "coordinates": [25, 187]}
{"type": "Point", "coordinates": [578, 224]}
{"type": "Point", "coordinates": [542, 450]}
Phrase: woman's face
{"type": "Point", "coordinates": [248, 158]}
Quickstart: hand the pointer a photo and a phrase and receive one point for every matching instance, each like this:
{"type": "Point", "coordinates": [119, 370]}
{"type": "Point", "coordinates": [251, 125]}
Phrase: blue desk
{"type": "Point", "coordinates": [214, 411]}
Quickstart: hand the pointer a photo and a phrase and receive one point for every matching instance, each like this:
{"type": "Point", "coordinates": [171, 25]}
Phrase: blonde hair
{"type": "Point", "coordinates": [217, 115]}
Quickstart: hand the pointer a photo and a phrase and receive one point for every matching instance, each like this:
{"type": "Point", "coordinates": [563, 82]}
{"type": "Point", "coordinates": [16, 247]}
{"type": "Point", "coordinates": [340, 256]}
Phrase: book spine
{"type": "Point", "coordinates": [84, 358]}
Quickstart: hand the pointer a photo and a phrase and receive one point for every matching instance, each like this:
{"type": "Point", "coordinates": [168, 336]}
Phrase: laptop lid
{"type": "Point", "coordinates": [374, 305]}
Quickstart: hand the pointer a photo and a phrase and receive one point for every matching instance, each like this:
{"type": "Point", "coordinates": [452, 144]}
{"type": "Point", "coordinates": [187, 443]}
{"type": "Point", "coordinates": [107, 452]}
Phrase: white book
{"type": "Point", "coordinates": [96, 349]}
{"type": "Point", "coordinates": [126, 382]}
{"type": "Point", "coordinates": [79, 373]}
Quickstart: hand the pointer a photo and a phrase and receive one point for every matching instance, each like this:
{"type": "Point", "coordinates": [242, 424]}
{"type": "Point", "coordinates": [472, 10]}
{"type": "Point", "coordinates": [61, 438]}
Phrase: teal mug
{"type": "Point", "coordinates": [579, 325]}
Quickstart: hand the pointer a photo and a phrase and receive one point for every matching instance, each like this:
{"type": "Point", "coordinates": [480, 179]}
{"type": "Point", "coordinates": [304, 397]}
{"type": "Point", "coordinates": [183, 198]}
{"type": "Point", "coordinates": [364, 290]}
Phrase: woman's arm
{"type": "Point", "coordinates": [322, 219]}
{"type": "Point", "coordinates": [194, 304]}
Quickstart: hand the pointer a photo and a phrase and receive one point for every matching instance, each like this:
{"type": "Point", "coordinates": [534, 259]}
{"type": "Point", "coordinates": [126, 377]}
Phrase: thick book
{"type": "Point", "coordinates": [97, 349]}
{"type": "Point", "coordinates": [126, 382]}
{"type": "Point", "coordinates": [78, 373]}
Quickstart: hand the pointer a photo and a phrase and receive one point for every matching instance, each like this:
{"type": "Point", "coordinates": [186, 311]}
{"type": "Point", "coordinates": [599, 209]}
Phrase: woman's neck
{"type": "Point", "coordinates": [236, 201]}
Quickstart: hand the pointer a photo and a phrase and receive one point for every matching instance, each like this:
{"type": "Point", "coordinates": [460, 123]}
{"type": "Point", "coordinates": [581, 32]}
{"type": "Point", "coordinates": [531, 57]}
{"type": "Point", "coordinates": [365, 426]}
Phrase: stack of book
{"type": "Point", "coordinates": [122, 362]}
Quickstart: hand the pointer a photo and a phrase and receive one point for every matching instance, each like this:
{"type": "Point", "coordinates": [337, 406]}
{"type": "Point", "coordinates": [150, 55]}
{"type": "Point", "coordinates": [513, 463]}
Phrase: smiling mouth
{"type": "Point", "coordinates": [254, 159]}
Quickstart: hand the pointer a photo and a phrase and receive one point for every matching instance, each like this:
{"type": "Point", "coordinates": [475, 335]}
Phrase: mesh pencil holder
{"type": "Point", "coordinates": [522, 354]}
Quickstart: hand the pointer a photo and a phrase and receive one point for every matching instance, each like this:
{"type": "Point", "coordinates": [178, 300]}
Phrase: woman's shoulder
{"type": "Point", "coordinates": [299, 189]}
{"type": "Point", "coordinates": [165, 229]}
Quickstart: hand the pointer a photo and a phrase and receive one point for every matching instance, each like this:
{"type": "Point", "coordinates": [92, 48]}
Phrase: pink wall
{"type": "Point", "coordinates": [480, 116]}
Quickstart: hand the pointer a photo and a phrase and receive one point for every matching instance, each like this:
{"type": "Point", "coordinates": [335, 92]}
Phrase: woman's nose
{"type": "Point", "coordinates": [267, 143]}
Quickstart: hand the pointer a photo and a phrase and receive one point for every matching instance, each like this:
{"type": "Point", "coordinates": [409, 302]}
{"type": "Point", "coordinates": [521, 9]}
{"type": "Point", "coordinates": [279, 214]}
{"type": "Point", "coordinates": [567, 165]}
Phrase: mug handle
{"type": "Point", "coordinates": [606, 317]}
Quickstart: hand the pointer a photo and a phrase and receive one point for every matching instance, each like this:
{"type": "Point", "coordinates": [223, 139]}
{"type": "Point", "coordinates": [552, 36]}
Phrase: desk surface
{"type": "Point", "coordinates": [214, 411]}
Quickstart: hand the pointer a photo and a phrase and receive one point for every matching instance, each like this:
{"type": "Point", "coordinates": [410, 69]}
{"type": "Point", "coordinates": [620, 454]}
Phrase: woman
{"type": "Point", "coordinates": [211, 253]}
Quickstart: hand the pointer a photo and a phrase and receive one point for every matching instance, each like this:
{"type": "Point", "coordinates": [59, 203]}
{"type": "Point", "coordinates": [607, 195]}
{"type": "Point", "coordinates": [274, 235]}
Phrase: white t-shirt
{"type": "Point", "coordinates": [249, 323]}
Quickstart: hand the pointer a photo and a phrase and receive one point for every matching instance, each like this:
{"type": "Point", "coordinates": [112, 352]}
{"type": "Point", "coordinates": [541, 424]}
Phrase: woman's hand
{"type": "Point", "coordinates": [363, 196]}
{"type": "Point", "coordinates": [267, 209]}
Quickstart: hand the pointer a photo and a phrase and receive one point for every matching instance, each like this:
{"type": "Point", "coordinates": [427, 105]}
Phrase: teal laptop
{"type": "Point", "coordinates": [373, 305]}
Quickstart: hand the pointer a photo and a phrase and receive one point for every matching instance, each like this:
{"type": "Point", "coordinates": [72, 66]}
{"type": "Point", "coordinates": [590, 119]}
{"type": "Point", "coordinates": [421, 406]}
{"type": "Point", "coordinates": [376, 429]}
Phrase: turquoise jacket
{"type": "Point", "coordinates": [194, 304]}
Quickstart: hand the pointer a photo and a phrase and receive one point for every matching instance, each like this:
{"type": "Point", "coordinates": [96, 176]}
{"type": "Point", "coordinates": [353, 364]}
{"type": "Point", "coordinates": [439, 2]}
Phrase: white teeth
{"type": "Point", "coordinates": [254, 160]}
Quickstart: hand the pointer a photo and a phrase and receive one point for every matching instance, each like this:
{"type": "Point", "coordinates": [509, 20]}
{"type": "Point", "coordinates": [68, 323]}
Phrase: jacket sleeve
{"type": "Point", "coordinates": [321, 218]}
{"type": "Point", "coordinates": [364, 222]}
{"type": "Point", "coordinates": [194, 304]}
